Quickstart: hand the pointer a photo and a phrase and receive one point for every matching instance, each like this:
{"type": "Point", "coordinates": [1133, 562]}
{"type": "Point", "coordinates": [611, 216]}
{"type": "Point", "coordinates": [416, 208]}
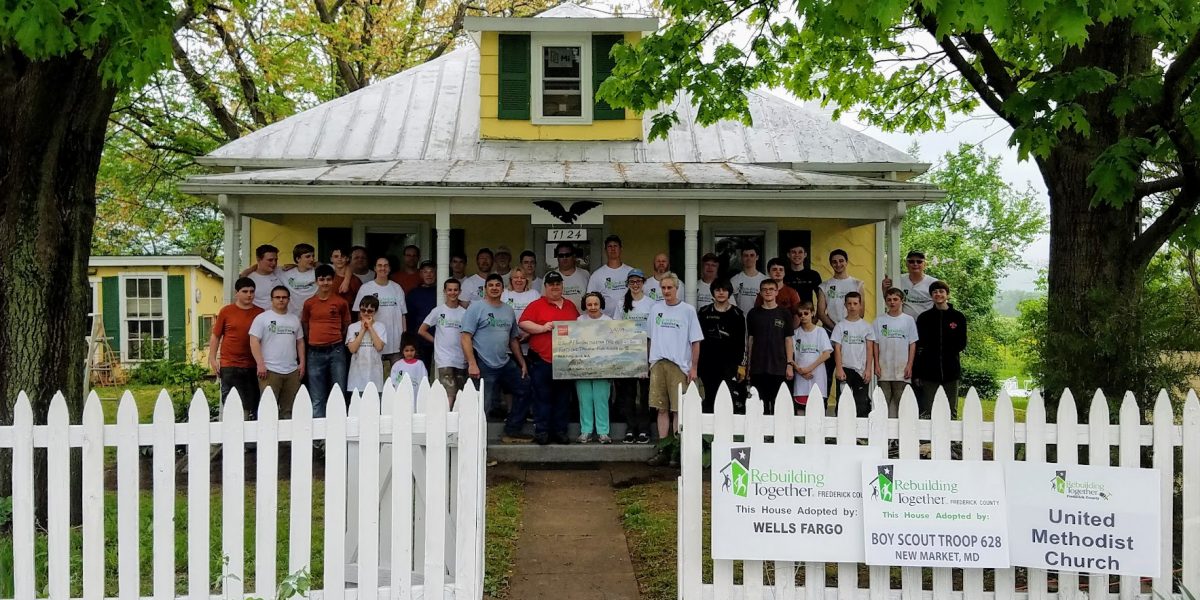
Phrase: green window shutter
{"type": "Point", "coordinates": [176, 318]}
{"type": "Point", "coordinates": [514, 77]}
{"type": "Point", "coordinates": [110, 289]}
{"type": "Point", "coordinates": [602, 67]}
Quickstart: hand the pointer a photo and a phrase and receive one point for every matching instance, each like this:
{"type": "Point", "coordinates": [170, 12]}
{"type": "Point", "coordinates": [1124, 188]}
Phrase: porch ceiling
{"type": "Point", "coordinates": [466, 178]}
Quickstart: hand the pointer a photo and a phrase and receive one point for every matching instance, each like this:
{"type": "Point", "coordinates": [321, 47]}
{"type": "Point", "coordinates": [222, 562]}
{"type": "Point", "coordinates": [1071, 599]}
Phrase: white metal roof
{"type": "Point", "coordinates": [482, 175]}
{"type": "Point", "coordinates": [431, 112]}
{"type": "Point", "coordinates": [155, 261]}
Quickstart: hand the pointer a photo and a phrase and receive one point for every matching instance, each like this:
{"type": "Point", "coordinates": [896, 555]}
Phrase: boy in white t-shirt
{"type": "Point", "coordinates": [810, 350]}
{"type": "Point", "coordinates": [447, 322]}
{"type": "Point", "coordinates": [895, 349]}
{"type": "Point", "coordinates": [854, 353]}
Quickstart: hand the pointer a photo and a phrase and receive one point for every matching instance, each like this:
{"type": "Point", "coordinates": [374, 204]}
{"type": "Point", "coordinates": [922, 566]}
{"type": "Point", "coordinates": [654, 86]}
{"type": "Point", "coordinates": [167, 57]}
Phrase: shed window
{"type": "Point", "coordinates": [144, 321]}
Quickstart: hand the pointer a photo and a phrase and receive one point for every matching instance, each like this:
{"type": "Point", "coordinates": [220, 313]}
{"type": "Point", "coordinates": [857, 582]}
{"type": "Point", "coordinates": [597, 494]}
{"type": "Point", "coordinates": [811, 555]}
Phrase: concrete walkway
{"type": "Point", "coordinates": [572, 544]}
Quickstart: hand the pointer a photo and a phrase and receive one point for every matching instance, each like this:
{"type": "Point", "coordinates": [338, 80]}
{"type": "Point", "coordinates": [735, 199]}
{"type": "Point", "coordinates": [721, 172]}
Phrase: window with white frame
{"type": "Point", "coordinates": [562, 79]}
{"type": "Point", "coordinates": [144, 317]}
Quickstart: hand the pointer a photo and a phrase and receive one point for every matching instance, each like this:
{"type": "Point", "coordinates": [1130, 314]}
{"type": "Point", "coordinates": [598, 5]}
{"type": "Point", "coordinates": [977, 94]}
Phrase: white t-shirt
{"type": "Point", "coordinates": [302, 285]}
{"type": "Point", "coordinates": [587, 317]}
{"type": "Point", "coordinates": [673, 329]}
{"type": "Point", "coordinates": [446, 323]}
{"type": "Point", "coordinates": [472, 288]}
{"type": "Point", "coordinates": [853, 336]}
{"type": "Point", "coordinates": [835, 291]}
{"type": "Point", "coordinates": [263, 284]}
{"type": "Point", "coordinates": [366, 365]}
{"type": "Point", "coordinates": [278, 334]}
{"type": "Point", "coordinates": [807, 346]}
{"type": "Point", "coordinates": [518, 301]}
{"type": "Point", "coordinates": [745, 290]}
{"type": "Point", "coordinates": [415, 372]}
{"type": "Point", "coordinates": [575, 286]}
{"type": "Point", "coordinates": [365, 277]}
{"type": "Point", "coordinates": [916, 295]}
{"type": "Point", "coordinates": [610, 283]}
{"type": "Point", "coordinates": [640, 313]}
{"type": "Point", "coordinates": [894, 334]}
{"type": "Point", "coordinates": [653, 288]}
{"type": "Point", "coordinates": [704, 294]}
{"type": "Point", "coordinates": [391, 310]}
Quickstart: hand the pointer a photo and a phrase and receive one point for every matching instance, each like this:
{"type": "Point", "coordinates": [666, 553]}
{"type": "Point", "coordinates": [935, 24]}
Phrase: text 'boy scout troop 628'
{"type": "Point", "coordinates": [356, 321]}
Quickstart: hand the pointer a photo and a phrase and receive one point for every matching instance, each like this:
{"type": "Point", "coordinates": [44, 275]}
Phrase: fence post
{"type": "Point", "coordinates": [199, 449]}
{"type": "Point", "coordinates": [1164, 462]}
{"type": "Point", "coordinates": [300, 496]}
{"type": "Point", "coordinates": [402, 489]}
{"type": "Point", "coordinates": [1191, 493]}
{"type": "Point", "coordinates": [164, 498]}
{"type": "Point", "coordinates": [691, 450]}
{"type": "Point", "coordinates": [93, 499]}
{"type": "Point", "coordinates": [436, 459]}
{"type": "Point", "coordinates": [233, 497]}
{"type": "Point", "coordinates": [22, 499]}
{"type": "Point", "coordinates": [266, 492]}
{"type": "Point", "coordinates": [58, 460]}
{"type": "Point", "coordinates": [1003, 450]}
{"type": "Point", "coordinates": [335, 495]}
{"type": "Point", "coordinates": [128, 560]}
{"type": "Point", "coordinates": [470, 475]}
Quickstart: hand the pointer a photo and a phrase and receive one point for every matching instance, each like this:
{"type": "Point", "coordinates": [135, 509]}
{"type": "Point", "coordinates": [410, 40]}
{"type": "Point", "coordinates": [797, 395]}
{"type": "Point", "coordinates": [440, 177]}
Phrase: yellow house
{"type": "Point", "coordinates": [477, 148]}
{"type": "Point", "coordinates": [155, 306]}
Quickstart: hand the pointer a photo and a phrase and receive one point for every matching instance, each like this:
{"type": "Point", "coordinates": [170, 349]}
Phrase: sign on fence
{"type": "Point", "coordinates": [775, 503]}
{"type": "Point", "coordinates": [939, 514]}
{"type": "Point", "coordinates": [599, 350]}
{"type": "Point", "coordinates": [1084, 518]}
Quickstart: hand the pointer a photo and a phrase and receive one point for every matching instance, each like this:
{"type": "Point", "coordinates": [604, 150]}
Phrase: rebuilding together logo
{"type": "Point", "coordinates": [887, 488]}
{"type": "Point", "coordinates": [1074, 488]}
{"type": "Point", "coordinates": [740, 479]}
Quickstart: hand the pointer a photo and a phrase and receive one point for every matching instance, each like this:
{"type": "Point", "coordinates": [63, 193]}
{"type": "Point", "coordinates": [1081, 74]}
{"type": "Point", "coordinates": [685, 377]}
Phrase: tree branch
{"type": "Point", "coordinates": [986, 93]}
{"type": "Point", "coordinates": [245, 77]}
{"type": "Point", "coordinates": [1177, 86]}
{"type": "Point", "coordinates": [204, 91]}
{"type": "Point", "coordinates": [460, 13]}
{"type": "Point", "coordinates": [344, 70]}
{"type": "Point", "coordinates": [1157, 186]}
{"type": "Point", "coordinates": [993, 66]}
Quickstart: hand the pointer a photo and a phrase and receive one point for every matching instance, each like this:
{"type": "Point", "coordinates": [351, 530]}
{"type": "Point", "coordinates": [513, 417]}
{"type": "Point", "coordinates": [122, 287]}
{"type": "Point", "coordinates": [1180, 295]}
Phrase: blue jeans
{"type": "Point", "coordinates": [326, 366]}
{"type": "Point", "coordinates": [506, 377]}
{"type": "Point", "coordinates": [551, 398]}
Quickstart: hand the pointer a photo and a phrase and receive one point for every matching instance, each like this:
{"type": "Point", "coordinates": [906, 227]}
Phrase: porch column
{"type": "Point", "coordinates": [691, 238]}
{"type": "Point", "coordinates": [232, 246]}
{"type": "Point", "coordinates": [442, 224]}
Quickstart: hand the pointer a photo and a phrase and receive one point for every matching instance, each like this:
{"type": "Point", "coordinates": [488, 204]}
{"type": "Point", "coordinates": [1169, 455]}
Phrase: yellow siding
{"type": "Point", "coordinates": [292, 230]}
{"type": "Point", "coordinates": [491, 127]}
{"type": "Point", "coordinates": [858, 242]}
{"type": "Point", "coordinates": [643, 237]}
{"type": "Point", "coordinates": [490, 231]}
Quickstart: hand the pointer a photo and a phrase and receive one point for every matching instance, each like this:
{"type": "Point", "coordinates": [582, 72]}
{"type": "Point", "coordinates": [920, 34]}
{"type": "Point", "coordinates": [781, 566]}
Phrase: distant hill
{"type": "Point", "coordinates": [1007, 300]}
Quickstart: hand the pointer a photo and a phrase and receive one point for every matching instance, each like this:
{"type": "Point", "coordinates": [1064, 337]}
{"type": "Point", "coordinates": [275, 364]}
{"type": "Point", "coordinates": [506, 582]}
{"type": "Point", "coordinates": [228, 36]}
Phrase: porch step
{"type": "Point", "coordinates": [616, 430]}
{"type": "Point", "coordinates": [573, 453]}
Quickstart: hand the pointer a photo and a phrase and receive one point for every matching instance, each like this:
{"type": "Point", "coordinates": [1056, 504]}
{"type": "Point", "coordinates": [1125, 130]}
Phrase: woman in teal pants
{"type": "Point", "coordinates": [593, 393]}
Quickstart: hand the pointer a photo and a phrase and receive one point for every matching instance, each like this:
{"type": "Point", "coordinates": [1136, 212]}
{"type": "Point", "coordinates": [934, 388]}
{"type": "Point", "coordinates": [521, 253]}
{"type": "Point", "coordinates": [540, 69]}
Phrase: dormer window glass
{"type": "Point", "coordinates": [562, 79]}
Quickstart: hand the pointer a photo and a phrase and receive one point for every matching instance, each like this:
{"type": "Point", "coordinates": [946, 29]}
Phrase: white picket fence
{"type": "Point", "coordinates": [412, 474]}
{"type": "Point", "coordinates": [1002, 435]}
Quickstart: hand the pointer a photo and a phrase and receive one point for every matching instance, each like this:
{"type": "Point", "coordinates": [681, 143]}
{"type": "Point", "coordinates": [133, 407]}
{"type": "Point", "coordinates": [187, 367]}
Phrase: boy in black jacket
{"type": "Point", "coordinates": [942, 335]}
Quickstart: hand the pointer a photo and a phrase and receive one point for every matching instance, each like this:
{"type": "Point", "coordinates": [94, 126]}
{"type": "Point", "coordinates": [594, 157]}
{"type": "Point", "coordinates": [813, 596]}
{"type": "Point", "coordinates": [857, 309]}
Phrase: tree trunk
{"type": "Point", "coordinates": [53, 115]}
{"type": "Point", "coordinates": [1095, 287]}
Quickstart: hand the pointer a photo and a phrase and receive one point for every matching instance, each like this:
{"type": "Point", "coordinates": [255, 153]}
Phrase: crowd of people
{"type": "Point", "coordinates": [786, 334]}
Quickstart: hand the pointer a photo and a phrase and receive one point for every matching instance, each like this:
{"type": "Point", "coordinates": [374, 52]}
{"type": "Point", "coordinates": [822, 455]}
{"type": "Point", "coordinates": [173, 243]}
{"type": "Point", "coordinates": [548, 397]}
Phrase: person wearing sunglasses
{"type": "Point", "coordinates": [575, 280]}
{"type": "Point", "coordinates": [915, 286]}
{"type": "Point", "coordinates": [365, 339]}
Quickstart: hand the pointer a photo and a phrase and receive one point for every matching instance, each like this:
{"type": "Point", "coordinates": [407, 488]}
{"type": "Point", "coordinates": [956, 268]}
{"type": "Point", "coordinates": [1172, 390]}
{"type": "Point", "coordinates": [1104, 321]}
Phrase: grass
{"type": "Point", "coordinates": [145, 396]}
{"type": "Point", "coordinates": [648, 512]}
{"type": "Point", "coordinates": [503, 525]}
{"type": "Point", "coordinates": [505, 504]}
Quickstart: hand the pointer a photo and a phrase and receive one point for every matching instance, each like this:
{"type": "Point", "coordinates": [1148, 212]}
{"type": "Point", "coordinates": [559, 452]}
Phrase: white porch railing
{"type": "Point", "coordinates": [1002, 435]}
{"type": "Point", "coordinates": [414, 475]}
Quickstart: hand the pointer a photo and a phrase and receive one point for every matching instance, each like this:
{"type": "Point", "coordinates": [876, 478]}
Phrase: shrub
{"type": "Point", "coordinates": [170, 373]}
{"type": "Point", "coordinates": [980, 376]}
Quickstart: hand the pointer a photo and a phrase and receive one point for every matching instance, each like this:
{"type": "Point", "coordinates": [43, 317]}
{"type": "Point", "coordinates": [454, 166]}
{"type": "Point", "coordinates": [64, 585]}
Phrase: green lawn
{"type": "Point", "coordinates": [503, 524]}
{"type": "Point", "coordinates": [145, 397]}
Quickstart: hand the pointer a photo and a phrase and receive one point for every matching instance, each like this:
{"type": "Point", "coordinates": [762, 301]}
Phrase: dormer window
{"type": "Point", "coordinates": [551, 78]}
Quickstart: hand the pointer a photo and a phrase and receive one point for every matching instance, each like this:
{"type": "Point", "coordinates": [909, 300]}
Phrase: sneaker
{"type": "Point", "coordinates": [516, 438]}
{"type": "Point", "coordinates": [492, 462]}
{"type": "Point", "coordinates": [561, 439]}
{"type": "Point", "coordinates": [604, 439]}
{"type": "Point", "coordinates": [643, 438]}
{"type": "Point", "coordinates": [660, 459]}
{"type": "Point", "coordinates": [584, 438]}
{"type": "Point", "coordinates": [628, 438]}
{"type": "Point", "coordinates": [542, 439]}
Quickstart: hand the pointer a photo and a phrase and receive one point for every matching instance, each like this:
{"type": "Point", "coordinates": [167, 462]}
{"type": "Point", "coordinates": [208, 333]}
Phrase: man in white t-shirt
{"type": "Point", "coordinates": [915, 285]}
{"type": "Point", "coordinates": [710, 267]}
{"type": "Point", "coordinates": [446, 321]}
{"type": "Point", "coordinates": [854, 353]}
{"type": "Point", "coordinates": [831, 306]}
{"type": "Point", "coordinates": [264, 273]}
{"type": "Point", "coordinates": [360, 264]}
{"type": "Point", "coordinates": [302, 279]}
{"type": "Point", "coordinates": [675, 337]}
{"type": "Point", "coordinates": [277, 344]}
{"type": "Point", "coordinates": [575, 280]}
{"type": "Point", "coordinates": [609, 280]}
{"type": "Point", "coordinates": [745, 284]}
{"type": "Point", "coordinates": [472, 287]}
{"type": "Point", "coordinates": [895, 348]}
{"type": "Point", "coordinates": [662, 266]}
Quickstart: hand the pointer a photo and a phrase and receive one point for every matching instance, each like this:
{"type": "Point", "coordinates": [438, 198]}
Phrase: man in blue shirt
{"type": "Point", "coordinates": [489, 340]}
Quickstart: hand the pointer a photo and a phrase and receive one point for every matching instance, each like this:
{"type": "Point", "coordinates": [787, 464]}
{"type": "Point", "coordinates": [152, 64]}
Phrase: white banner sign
{"type": "Point", "coordinates": [934, 514]}
{"type": "Point", "coordinates": [800, 503]}
{"type": "Point", "coordinates": [1081, 518]}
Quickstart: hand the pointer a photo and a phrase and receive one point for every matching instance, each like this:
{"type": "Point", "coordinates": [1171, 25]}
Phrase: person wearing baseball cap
{"type": "Point", "coordinates": [917, 298]}
{"type": "Point", "coordinates": [634, 394]}
{"type": "Point", "coordinates": [503, 264]}
{"type": "Point", "coordinates": [551, 398]}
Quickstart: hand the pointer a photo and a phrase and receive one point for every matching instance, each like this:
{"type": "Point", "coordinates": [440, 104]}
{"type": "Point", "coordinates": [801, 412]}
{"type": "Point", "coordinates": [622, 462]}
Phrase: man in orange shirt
{"type": "Point", "coordinates": [409, 274]}
{"type": "Point", "coordinates": [325, 318]}
{"type": "Point", "coordinates": [230, 339]}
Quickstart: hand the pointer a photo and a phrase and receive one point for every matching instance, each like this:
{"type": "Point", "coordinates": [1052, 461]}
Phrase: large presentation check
{"type": "Point", "coordinates": [599, 350]}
